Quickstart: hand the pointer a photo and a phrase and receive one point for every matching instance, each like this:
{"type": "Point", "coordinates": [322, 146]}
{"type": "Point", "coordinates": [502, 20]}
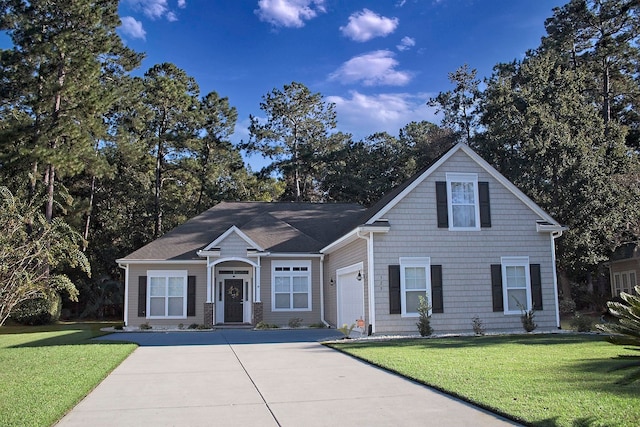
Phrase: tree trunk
{"type": "Point", "coordinates": [158, 210]}
{"type": "Point", "coordinates": [89, 212]}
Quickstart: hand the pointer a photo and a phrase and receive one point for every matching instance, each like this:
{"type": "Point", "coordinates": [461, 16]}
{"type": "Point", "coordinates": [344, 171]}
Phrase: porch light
{"type": "Point", "coordinates": [331, 282]}
{"type": "Point", "coordinates": [359, 278]}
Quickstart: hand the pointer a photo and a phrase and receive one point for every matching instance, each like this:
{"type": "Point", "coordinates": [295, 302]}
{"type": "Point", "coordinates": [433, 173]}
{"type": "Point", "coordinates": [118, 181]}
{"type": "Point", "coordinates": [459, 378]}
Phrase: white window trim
{"type": "Point", "coordinates": [166, 274]}
{"type": "Point", "coordinates": [301, 263]}
{"type": "Point", "coordinates": [620, 278]}
{"type": "Point", "coordinates": [463, 177]}
{"type": "Point", "coordinates": [414, 262]}
{"type": "Point", "coordinates": [515, 261]}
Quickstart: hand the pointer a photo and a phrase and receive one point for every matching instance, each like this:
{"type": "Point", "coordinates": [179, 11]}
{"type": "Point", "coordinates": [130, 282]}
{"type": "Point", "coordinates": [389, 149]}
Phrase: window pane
{"type": "Point", "coordinates": [632, 279]}
{"type": "Point", "coordinates": [517, 296]}
{"type": "Point", "coordinates": [282, 284]}
{"type": "Point", "coordinates": [176, 286]}
{"type": "Point", "coordinates": [300, 284]}
{"type": "Point", "coordinates": [516, 277]}
{"type": "Point", "coordinates": [301, 300]}
{"type": "Point", "coordinates": [464, 215]}
{"type": "Point", "coordinates": [175, 306]}
{"type": "Point", "coordinates": [413, 299]}
{"type": "Point", "coordinates": [282, 300]}
{"type": "Point", "coordinates": [415, 278]}
{"type": "Point", "coordinates": [157, 286]}
{"type": "Point", "coordinates": [462, 192]}
{"type": "Point", "coordinates": [156, 307]}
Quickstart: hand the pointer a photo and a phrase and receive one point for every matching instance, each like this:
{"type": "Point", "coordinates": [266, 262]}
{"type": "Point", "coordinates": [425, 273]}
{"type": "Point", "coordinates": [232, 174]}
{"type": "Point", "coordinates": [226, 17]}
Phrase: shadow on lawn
{"type": "Point", "coordinates": [580, 422]}
{"type": "Point", "coordinates": [483, 341]}
{"type": "Point", "coordinates": [616, 369]}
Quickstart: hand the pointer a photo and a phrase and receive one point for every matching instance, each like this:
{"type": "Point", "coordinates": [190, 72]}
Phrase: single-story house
{"type": "Point", "coordinates": [457, 232]}
{"type": "Point", "coordinates": [624, 269]}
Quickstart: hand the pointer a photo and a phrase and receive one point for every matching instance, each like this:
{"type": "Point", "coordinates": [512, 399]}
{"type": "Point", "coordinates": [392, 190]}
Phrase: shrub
{"type": "Point", "coordinates": [318, 325]}
{"type": "Point", "coordinates": [478, 326]}
{"type": "Point", "coordinates": [581, 323]}
{"type": "Point", "coordinates": [526, 318]}
{"type": "Point", "coordinates": [346, 330]}
{"type": "Point", "coordinates": [265, 325]}
{"type": "Point", "coordinates": [295, 322]}
{"type": "Point", "coordinates": [38, 311]}
{"type": "Point", "coordinates": [567, 306]}
{"type": "Point", "coordinates": [145, 326]}
{"type": "Point", "coordinates": [424, 321]}
{"type": "Point", "coordinates": [193, 326]}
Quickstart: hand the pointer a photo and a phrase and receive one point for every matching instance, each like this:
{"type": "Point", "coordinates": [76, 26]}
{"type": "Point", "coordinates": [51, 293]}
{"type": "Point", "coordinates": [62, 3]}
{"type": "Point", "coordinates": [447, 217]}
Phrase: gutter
{"type": "Point", "coordinates": [372, 306]}
{"type": "Point", "coordinates": [125, 315]}
{"type": "Point", "coordinates": [322, 319]}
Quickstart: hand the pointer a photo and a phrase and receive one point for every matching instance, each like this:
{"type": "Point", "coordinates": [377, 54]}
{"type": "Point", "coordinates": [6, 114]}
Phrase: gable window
{"type": "Point", "coordinates": [291, 286]}
{"type": "Point", "coordinates": [414, 283]}
{"type": "Point", "coordinates": [464, 209]}
{"type": "Point", "coordinates": [167, 294]}
{"type": "Point", "coordinates": [462, 203]}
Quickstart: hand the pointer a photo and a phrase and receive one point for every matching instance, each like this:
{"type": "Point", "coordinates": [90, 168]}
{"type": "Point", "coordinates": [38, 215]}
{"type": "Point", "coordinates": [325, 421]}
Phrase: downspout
{"type": "Point", "coordinates": [125, 315]}
{"type": "Point", "coordinates": [370, 269]}
{"type": "Point", "coordinates": [322, 319]}
{"type": "Point", "coordinates": [554, 236]}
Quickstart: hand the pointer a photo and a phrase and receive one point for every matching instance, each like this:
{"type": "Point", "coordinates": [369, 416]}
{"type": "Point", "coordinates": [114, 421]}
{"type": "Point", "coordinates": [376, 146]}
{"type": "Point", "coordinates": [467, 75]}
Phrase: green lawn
{"type": "Point", "coordinates": [45, 371]}
{"type": "Point", "coordinates": [542, 380]}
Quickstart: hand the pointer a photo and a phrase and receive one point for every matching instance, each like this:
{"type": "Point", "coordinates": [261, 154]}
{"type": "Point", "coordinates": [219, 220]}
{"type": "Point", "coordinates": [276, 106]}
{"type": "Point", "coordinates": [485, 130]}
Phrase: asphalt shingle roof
{"type": "Point", "coordinates": [285, 227]}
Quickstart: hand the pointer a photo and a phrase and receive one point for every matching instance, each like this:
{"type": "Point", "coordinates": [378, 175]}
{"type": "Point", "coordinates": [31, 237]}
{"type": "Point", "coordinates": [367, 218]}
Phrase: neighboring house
{"type": "Point", "coordinates": [624, 269]}
{"type": "Point", "coordinates": [457, 232]}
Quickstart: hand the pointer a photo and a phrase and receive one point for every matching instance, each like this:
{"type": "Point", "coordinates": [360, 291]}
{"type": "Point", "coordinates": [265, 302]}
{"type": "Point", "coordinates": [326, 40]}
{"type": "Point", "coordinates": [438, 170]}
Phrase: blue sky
{"type": "Point", "coordinates": [378, 61]}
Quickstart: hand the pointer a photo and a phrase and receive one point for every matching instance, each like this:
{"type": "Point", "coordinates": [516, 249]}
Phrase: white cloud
{"type": "Point", "coordinates": [373, 69]}
{"type": "Point", "coordinates": [132, 28]}
{"type": "Point", "coordinates": [366, 25]}
{"type": "Point", "coordinates": [363, 115]}
{"type": "Point", "coordinates": [406, 43]}
{"type": "Point", "coordinates": [156, 9]}
{"type": "Point", "coordinates": [289, 13]}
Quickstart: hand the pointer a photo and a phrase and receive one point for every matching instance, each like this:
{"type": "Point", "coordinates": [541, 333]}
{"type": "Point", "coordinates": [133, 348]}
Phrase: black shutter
{"type": "Point", "coordinates": [485, 206]}
{"type": "Point", "coordinates": [496, 287]}
{"type": "Point", "coordinates": [536, 286]}
{"type": "Point", "coordinates": [191, 295]}
{"type": "Point", "coordinates": [394, 290]}
{"type": "Point", "coordinates": [436, 289]}
{"type": "Point", "coordinates": [142, 296]}
{"type": "Point", "coordinates": [441, 204]}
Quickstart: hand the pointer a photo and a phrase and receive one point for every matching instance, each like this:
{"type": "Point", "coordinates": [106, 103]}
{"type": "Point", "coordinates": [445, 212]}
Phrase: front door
{"type": "Point", "coordinates": [233, 300]}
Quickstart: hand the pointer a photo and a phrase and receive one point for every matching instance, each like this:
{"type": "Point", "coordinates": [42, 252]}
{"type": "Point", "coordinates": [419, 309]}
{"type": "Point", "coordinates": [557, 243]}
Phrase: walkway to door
{"type": "Point", "coordinates": [260, 378]}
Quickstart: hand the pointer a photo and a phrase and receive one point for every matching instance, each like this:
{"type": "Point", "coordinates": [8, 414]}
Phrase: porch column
{"type": "Point", "coordinates": [257, 283]}
{"type": "Point", "coordinates": [209, 292]}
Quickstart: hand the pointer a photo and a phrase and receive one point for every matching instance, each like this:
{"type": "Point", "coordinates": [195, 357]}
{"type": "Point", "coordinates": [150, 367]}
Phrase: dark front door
{"type": "Point", "coordinates": [233, 300]}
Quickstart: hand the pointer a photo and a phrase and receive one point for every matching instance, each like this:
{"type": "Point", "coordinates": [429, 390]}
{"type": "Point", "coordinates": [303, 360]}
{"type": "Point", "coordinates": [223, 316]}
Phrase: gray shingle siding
{"type": "Point", "coordinates": [465, 256]}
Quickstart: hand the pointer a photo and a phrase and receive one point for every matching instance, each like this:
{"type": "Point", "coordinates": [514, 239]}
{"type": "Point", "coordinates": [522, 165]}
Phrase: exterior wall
{"type": "Point", "coordinates": [350, 254]}
{"type": "Point", "coordinates": [282, 318]}
{"type": "Point", "coordinates": [233, 245]}
{"type": "Point", "coordinates": [624, 266]}
{"type": "Point", "coordinates": [137, 270]}
{"type": "Point", "coordinates": [465, 256]}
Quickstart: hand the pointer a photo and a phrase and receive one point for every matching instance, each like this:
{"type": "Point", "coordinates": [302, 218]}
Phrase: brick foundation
{"type": "Point", "coordinates": [209, 314]}
{"type": "Point", "coordinates": [257, 313]}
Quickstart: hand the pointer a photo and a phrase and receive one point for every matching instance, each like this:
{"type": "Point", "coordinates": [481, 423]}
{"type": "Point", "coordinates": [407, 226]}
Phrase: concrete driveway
{"type": "Point", "coordinates": [260, 378]}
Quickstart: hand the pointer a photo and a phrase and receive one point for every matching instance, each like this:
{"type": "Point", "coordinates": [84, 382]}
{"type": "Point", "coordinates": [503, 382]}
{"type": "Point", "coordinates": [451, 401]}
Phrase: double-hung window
{"type": "Point", "coordinates": [516, 281]}
{"type": "Point", "coordinates": [167, 294]}
{"type": "Point", "coordinates": [624, 282]}
{"type": "Point", "coordinates": [415, 282]}
{"type": "Point", "coordinates": [464, 208]}
{"type": "Point", "coordinates": [291, 286]}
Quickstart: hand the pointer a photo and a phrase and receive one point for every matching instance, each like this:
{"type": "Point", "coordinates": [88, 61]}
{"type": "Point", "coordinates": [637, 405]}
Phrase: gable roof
{"type": "Point", "coordinates": [377, 211]}
{"type": "Point", "coordinates": [284, 227]}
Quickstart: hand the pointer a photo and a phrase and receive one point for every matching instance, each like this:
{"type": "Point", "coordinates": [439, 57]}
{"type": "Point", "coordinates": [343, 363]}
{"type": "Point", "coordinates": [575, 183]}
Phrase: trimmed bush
{"type": "Point", "coordinates": [38, 311]}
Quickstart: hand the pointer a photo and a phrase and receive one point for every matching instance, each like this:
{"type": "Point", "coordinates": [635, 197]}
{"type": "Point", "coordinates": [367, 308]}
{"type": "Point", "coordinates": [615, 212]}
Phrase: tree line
{"type": "Point", "coordinates": [121, 159]}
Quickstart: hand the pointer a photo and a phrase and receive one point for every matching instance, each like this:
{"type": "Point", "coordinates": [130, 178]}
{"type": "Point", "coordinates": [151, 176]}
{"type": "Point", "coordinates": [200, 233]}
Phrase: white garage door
{"type": "Point", "coordinates": [350, 299]}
